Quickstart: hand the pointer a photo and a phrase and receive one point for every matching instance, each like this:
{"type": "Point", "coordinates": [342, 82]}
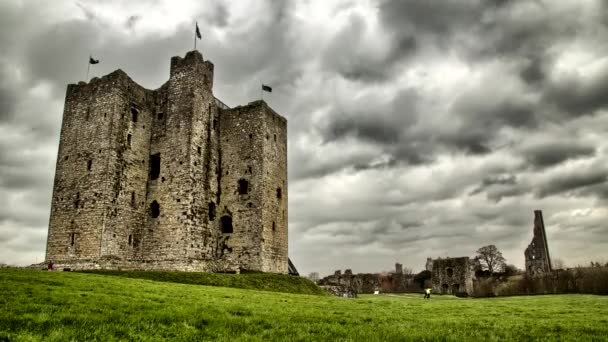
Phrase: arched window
{"type": "Point", "coordinates": [449, 272]}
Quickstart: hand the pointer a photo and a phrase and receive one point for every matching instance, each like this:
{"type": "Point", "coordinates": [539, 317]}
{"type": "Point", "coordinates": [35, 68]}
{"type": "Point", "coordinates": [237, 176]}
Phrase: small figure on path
{"type": "Point", "coordinates": [427, 293]}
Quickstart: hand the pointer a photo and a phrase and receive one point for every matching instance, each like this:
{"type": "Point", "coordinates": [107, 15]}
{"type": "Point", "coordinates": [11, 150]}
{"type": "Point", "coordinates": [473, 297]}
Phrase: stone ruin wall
{"type": "Point", "coordinates": [394, 282]}
{"type": "Point", "coordinates": [537, 256]}
{"type": "Point", "coordinates": [452, 275]}
{"type": "Point", "coordinates": [115, 132]}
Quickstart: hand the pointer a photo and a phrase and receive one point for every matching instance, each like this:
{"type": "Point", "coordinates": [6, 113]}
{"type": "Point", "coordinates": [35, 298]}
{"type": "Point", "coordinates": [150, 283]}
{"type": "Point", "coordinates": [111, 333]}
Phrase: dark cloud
{"type": "Point", "coordinates": [416, 128]}
{"type": "Point", "coordinates": [576, 180]}
{"type": "Point", "coordinates": [132, 21]}
{"type": "Point", "coordinates": [576, 95]}
{"type": "Point", "coordinates": [349, 55]}
{"type": "Point", "coordinates": [552, 153]}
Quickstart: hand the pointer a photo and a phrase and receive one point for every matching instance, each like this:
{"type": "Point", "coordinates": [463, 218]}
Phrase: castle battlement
{"type": "Point", "coordinates": [168, 178]}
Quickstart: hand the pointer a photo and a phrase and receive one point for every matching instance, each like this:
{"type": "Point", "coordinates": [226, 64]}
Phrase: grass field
{"type": "Point", "coordinates": [63, 306]}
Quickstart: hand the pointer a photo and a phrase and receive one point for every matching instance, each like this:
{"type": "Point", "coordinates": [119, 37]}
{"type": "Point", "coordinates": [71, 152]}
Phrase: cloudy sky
{"type": "Point", "coordinates": [416, 128]}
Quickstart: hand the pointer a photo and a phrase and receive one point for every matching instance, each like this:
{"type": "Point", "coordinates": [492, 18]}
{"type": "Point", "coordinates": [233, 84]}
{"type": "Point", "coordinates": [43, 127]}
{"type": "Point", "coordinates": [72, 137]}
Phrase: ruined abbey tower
{"type": "Point", "coordinates": [169, 178]}
{"type": "Point", "coordinates": [537, 253]}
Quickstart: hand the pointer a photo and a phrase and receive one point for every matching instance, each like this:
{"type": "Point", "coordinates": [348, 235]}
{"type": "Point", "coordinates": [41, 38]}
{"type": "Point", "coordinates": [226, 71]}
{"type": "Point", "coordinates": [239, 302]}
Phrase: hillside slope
{"type": "Point", "coordinates": [251, 281]}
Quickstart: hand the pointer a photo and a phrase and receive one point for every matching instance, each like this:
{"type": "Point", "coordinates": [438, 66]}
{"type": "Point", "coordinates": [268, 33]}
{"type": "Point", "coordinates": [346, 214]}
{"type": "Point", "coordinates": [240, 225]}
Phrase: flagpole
{"type": "Point", "coordinates": [196, 25]}
{"type": "Point", "coordinates": [88, 67]}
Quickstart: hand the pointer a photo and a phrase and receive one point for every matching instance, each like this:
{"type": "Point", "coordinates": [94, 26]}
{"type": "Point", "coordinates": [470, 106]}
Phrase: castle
{"type": "Point", "coordinates": [169, 179]}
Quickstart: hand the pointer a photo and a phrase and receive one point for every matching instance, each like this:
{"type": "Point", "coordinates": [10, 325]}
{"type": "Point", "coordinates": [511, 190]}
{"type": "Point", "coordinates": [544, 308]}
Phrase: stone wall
{"type": "Point", "coordinates": [537, 256]}
{"type": "Point", "coordinates": [146, 177]}
{"type": "Point", "coordinates": [452, 275]}
{"type": "Point", "coordinates": [395, 282]}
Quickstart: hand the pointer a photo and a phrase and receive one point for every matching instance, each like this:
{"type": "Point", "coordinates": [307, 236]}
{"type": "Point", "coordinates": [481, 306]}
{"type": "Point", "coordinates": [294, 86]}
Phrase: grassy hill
{"type": "Point", "coordinates": [254, 281]}
{"type": "Point", "coordinates": [63, 306]}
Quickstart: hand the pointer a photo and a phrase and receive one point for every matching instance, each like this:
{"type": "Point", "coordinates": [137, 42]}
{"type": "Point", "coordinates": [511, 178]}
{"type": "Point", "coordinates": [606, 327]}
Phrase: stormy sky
{"type": "Point", "coordinates": [416, 128]}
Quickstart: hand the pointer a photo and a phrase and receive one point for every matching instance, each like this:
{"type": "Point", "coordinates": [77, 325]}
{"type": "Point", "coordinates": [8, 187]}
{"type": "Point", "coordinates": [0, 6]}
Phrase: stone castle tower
{"type": "Point", "coordinates": [537, 253]}
{"type": "Point", "coordinates": [169, 178]}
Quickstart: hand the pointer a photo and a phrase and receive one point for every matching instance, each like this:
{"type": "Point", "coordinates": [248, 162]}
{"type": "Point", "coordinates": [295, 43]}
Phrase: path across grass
{"type": "Point", "coordinates": [63, 306]}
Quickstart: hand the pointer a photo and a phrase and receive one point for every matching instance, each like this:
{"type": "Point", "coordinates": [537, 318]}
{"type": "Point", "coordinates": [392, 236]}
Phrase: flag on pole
{"type": "Point", "coordinates": [266, 88]}
{"type": "Point", "coordinates": [198, 32]}
{"type": "Point", "coordinates": [93, 61]}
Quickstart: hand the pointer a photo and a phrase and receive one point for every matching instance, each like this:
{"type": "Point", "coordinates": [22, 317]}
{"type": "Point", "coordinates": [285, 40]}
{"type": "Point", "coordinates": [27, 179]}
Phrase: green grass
{"type": "Point", "coordinates": [255, 281]}
{"type": "Point", "coordinates": [65, 306]}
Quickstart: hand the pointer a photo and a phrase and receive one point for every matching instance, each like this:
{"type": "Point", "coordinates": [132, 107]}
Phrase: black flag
{"type": "Point", "coordinates": [93, 61]}
{"type": "Point", "coordinates": [198, 32]}
{"type": "Point", "coordinates": [266, 88]}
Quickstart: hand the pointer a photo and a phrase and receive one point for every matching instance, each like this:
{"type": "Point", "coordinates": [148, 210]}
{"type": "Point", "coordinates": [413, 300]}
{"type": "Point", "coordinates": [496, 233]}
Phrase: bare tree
{"type": "Point", "coordinates": [313, 276]}
{"type": "Point", "coordinates": [491, 258]}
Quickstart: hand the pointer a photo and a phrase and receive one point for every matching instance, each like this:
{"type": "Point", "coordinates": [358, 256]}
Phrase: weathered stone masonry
{"type": "Point", "coordinates": [168, 178]}
{"type": "Point", "coordinates": [537, 256]}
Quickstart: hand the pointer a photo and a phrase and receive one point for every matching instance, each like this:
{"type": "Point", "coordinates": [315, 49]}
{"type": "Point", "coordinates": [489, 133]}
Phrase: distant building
{"type": "Point", "coordinates": [452, 275]}
{"type": "Point", "coordinates": [537, 253]}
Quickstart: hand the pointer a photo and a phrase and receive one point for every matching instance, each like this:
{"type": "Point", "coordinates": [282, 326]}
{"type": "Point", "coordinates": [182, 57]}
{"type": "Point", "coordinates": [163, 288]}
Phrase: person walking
{"type": "Point", "coordinates": [427, 293]}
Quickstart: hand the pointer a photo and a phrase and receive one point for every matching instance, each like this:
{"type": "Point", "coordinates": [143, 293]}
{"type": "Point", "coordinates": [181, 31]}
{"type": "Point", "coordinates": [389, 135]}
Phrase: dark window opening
{"type": "Point", "coordinates": [130, 239]}
{"type": "Point", "coordinates": [132, 198]}
{"type": "Point", "coordinates": [249, 169]}
{"type": "Point", "coordinates": [198, 149]}
{"type": "Point", "coordinates": [89, 165]}
{"type": "Point", "coordinates": [449, 272]}
{"type": "Point", "coordinates": [211, 211]}
{"type": "Point", "coordinates": [134, 114]}
{"type": "Point", "coordinates": [250, 205]}
{"type": "Point", "coordinates": [179, 200]}
{"type": "Point", "coordinates": [129, 140]}
{"type": "Point", "coordinates": [73, 237]}
{"type": "Point", "coordinates": [226, 224]}
{"type": "Point", "coordinates": [243, 187]}
{"type": "Point", "coordinates": [154, 209]}
{"type": "Point", "coordinates": [154, 166]}
{"type": "Point", "coordinates": [273, 226]}
{"type": "Point", "coordinates": [160, 116]}
{"type": "Point", "coordinates": [66, 158]}
{"type": "Point", "coordinates": [275, 137]}
{"type": "Point", "coordinates": [214, 123]}
{"type": "Point", "coordinates": [250, 136]}
{"type": "Point", "coordinates": [279, 193]}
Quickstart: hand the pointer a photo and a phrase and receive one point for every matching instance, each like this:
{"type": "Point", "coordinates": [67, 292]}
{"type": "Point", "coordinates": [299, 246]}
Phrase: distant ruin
{"type": "Point", "coordinates": [393, 282]}
{"type": "Point", "coordinates": [453, 275]}
{"type": "Point", "coordinates": [537, 254]}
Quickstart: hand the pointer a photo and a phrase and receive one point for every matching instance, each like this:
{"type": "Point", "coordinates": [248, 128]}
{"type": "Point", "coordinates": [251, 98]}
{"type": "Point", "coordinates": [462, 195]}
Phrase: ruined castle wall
{"type": "Point", "coordinates": [80, 191]}
{"type": "Point", "coordinates": [452, 276]}
{"type": "Point", "coordinates": [179, 230]}
{"type": "Point", "coordinates": [274, 206]}
{"type": "Point", "coordinates": [242, 132]}
{"type": "Point", "coordinates": [127, 170]}
{"type": "Point", "coordinates": [537, 256]}
{"type": "Point", "coordinates": [144, 177]}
